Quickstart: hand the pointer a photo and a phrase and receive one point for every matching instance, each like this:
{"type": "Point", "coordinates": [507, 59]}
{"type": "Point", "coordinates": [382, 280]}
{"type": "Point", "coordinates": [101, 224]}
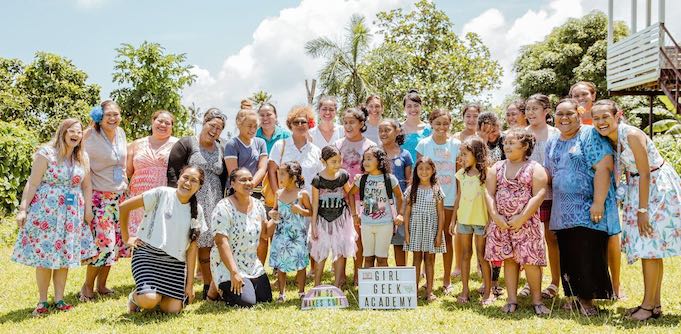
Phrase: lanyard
{"type": "Point", "coordinates": [113, 147]}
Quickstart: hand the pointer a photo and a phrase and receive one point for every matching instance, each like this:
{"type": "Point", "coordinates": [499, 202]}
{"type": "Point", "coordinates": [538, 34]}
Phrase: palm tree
{"type": "Point", "coordinates": [341, 75]}
{"type": "Point", "coordinates": [260, 97]}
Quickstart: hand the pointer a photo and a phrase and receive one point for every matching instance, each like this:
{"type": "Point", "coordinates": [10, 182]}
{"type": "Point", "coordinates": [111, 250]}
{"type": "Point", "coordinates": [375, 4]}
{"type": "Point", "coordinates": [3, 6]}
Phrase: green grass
{"type": "Point", "coordinates": [107, 315]}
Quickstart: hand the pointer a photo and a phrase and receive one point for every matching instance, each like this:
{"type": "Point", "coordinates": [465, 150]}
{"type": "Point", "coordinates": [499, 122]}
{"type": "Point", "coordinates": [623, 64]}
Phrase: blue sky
{"type": "Point", "coordinates": [239, 47]}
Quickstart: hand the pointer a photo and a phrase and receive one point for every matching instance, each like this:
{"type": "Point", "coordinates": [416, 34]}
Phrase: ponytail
{"type": "Point", "coordinates": [195, 230]}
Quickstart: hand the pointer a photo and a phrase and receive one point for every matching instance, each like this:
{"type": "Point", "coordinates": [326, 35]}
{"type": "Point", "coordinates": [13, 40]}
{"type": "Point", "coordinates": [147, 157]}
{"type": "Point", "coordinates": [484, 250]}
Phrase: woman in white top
{"type": "Point", "coordinates": [327, 132]}
{"type": "Point", "coordinates": [374, 105]}
{"type": "Point", "coordinates": [237, 229]}
{"type": "Point", "coordinates": [165, 248]}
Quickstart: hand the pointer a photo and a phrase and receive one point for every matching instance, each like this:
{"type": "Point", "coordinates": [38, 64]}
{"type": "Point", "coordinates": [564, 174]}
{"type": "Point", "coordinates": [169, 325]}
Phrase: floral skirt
{"type": "Point", "coordinates": [106, 228]}
{"type": "Point", "coordinates": [525, 246]}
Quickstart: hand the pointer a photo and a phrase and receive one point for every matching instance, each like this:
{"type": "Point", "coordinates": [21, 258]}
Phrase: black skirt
{"type": "Point", "coordinates": [584, 263]}
{"type": "Point", "coordinates": [154, 271]}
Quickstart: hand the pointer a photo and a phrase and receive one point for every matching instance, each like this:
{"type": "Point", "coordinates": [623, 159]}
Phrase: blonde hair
{"type": "Point", "coordinates": [243, 113]}
{"type": "Point", "coordinates": [246, 104]}
{"type": "Point", "coordinates": [58, 141]}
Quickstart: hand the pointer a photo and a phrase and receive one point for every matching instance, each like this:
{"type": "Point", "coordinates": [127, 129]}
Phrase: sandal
{"type": "Point", "coordinates": [550, 292]}
{"type": "Point", "coordinates": [462, 300]}
{"type": "Point", "coordinates": [509, 308]}
{"type": "Point", "coordinates": [61, 305]}
{"type": "Point", "coordinates": [431, 298]}
{"type": "Point", "coordinates": [489, 301]}
{"type": "Point", "coordinates": [447, 290]}
{"type": "Point", "coordinates": [639, 308]}
{"type": "Point", "coordinates": [41, 309]}
{"type": "Point", "coordinates": [132, 306]}
{"type": "Point", "coordinates": [106, 293]}
{"type": "Point", "coordinates": [588, 311]}
{"type": "Point", "coordinates": [84, 299]}
{"type": "Point", "coordinates": [525, 291]}
{"type": "Point", "coordinates": [281, 299]}
{"type": "Point", "coordinates": [498, 291]}
{"type": "Point", "coordinates": [541, 309]}
{"type": "Point", "coordinates": [658, 314]}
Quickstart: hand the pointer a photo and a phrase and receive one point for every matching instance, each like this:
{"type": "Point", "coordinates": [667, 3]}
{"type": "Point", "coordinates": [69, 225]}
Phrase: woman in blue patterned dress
{"type": "Point", "coordinates": [56, 203]}
{"type": "Point", "coordinates": [584, 212]}
{"type": "Point", "coordinates": [289, 250]}
{"type": "Point", "coordinates": [652, 203]}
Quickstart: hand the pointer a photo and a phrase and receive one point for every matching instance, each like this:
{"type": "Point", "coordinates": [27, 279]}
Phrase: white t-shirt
{"type": "Point", "coordinates": [167, 222]}
{"type": "Point", "coordinates": [444, 157]}
{"type": "Point", "coordinates": [372, 133]}
{"type": "Point", "coordinates": [321, 142]}
{"type": "Point", "coordinates": [308, 157]}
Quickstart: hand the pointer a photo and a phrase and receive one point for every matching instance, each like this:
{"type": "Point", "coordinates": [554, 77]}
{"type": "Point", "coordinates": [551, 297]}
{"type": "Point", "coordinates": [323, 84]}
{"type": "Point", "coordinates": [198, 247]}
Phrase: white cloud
{"type": "Point", "coordinates": [87, 4]}
{"type": "Point", "coordinates": [504, 38]}
{"type": "Point", "coordinates": [275, 59]}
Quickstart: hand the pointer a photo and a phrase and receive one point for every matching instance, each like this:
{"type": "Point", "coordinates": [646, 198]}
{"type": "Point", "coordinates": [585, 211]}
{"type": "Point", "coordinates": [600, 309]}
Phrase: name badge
{"type": "Point", "coordinates": [117, 174]}
{"type": "Point", "coordinates": [70, 199]}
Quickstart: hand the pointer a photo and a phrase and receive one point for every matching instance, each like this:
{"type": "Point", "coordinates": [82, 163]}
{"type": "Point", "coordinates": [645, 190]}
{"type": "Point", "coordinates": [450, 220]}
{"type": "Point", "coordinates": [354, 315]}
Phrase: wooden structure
{"type": "Point", "coordinates": [647, 62]}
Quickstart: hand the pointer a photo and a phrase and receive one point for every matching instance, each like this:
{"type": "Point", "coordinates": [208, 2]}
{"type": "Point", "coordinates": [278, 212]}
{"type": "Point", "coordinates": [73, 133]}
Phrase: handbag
{"type": "Point", "coordinates": [268, 195]}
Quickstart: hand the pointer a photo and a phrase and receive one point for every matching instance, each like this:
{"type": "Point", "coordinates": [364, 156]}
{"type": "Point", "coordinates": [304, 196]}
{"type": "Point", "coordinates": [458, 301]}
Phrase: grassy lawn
{"type": "Point", "coordinates": [107, 315]}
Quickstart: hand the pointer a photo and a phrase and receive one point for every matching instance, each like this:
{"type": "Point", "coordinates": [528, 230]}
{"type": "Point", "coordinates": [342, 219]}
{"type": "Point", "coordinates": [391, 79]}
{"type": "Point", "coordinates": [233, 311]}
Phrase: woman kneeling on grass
{"type": "Point", "coordinates": [164, 256]}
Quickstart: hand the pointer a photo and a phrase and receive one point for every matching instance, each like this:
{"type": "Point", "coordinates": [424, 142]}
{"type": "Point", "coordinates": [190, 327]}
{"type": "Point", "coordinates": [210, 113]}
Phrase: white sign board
{"type": "Point", "coordinates": [387, 288]}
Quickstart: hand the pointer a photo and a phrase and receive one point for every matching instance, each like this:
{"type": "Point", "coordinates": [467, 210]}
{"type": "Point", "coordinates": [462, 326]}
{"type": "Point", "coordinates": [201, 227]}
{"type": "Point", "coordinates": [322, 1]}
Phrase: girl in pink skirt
{"type": "Point", "coordinates": [515, 190]}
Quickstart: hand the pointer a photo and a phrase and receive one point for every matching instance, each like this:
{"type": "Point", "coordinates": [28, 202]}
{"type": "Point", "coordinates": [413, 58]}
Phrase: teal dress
{"type": "Point", "coordinates": [412, 139]}
{"type": "Point", "coordinates": [289, 252]}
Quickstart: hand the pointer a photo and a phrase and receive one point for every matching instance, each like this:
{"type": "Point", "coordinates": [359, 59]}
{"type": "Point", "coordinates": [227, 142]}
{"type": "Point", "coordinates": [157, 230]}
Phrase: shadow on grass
{"type": "Point", "coordinates": [21, 315]}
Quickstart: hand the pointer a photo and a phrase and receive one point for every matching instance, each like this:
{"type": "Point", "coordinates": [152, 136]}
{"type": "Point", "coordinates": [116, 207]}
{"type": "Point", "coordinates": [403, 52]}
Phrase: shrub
{"type": "Point", "coordinates": [670, 149]}
{"type": "Point", "coordinates": [17, 145]}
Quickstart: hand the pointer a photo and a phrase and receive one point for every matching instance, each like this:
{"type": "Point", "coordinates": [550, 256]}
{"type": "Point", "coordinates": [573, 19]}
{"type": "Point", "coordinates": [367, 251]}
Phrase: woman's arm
{"type": "Point", "coordinates": [407, 174]}
{"type": "Point", "coordinates": [177, 159]}
{"type": "Point", "coordinates": [86, 186]}
{"type": "Point", "coordinates": [125, 208]}
{"type": "Point", "coordinates": [37, 172]}
{"type": "Point", "coordinates": [272, 175]}
{"type": "Point", "coordinates": [192, 253]}
{"type": "Point", "coordinates": [232, 163]}
{"type": "Point", "coordinates": [637, 142]}
{"type": "Point", "coordinates": [602, 179]}
{"type": "Point", "coordinates": [129, 166]}
{"type": "Point", "coordinates": [227, 257]}
{"type": "Point", "coordinates": [260, 174]}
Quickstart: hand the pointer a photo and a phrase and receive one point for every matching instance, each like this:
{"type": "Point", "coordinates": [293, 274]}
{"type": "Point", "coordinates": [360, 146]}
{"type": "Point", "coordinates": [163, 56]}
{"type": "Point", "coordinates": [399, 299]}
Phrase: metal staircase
{"type": "Point", "coordinates": [670, 71]}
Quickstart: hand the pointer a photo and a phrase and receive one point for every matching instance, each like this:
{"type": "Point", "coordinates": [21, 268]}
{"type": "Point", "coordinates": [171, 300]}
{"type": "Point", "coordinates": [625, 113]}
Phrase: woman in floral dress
{"type": "Point", "coordinates": [148, 163]}
{"type": "Point", "coordinates": [52, 234]}
{"type": "Point", "coordinates": [651, 219]}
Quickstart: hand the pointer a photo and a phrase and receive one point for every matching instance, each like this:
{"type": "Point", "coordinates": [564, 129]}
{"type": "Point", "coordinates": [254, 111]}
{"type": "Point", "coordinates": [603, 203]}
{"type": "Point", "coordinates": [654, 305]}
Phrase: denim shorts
{"type": "Point", "coordinates": [470, 229]}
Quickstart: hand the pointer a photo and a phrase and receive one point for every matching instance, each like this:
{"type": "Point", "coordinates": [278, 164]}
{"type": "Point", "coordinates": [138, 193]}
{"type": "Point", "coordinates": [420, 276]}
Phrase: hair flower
{"type": "Point", "coordinates": [96, 114]}
{"type": "Point", "coordinates": [310, 123]}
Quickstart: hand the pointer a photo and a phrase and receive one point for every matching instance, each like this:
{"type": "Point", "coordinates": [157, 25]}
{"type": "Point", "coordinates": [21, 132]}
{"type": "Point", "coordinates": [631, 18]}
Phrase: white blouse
{"type": "Point", "coordinates": [243, 233]}
{"type": "Point", "coordinates": [167, 222]}
{"type": "Point", "coordinates": [308, 156]}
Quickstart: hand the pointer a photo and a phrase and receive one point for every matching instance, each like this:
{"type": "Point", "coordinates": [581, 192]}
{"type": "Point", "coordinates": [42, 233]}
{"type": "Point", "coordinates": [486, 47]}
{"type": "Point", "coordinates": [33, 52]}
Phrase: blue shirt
{"type": "Point", "coordinates": [399, 165]}
{"type": "Point", "coordinates": [246, 156]}
{"type": "Point", "coordinates": [279, 133]}
{"type": "Point", "coordinates": [570, 164]}
{"type": "Point", "coordinates": [412, 139]}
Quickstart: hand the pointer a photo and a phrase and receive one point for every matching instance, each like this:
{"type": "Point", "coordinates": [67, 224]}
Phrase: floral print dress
{"type": "Point", "coordinates": [54, 235]}
{"type": "Point", "coordinates": [289, 251]}
{"type": "Point", "coordinates": [664, 203]}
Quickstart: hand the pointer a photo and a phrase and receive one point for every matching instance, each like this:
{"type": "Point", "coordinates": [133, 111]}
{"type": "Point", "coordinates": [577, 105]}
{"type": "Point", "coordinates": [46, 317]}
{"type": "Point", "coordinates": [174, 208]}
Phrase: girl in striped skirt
{"type": "Point", "coordinates": [164, 250]}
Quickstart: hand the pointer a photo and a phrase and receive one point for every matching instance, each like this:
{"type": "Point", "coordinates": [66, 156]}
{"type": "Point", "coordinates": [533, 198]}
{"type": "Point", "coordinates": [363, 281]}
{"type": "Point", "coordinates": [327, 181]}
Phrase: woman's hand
{"type": "Point", "coordinates": [189, 292]}
{"type": "Point", "coordinates": [89, 216]}
{"type": "Point", "coordinates": [597, 211]}
{"type": "Point", "coordinates": [237, 283]}
{"type": "Point", "coordinates": [644, 227]}
{"type": "Point", "coordinates": [21, 218]}
{"type": "Point", "coordinates": [134, 242]}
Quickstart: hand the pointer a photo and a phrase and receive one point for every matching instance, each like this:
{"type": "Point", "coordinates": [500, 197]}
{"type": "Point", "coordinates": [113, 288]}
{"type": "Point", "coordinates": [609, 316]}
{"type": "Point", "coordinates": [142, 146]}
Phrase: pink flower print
{"type": "Point", "coordinates": [58, 244]}
{"type": "Point", "coordinates": [44, 226]}
{"type": "Point", "coordinates": [102, 241]}
{"type": "Point", "coordinates": [69, 227]}
{"type": "Point", "coordinates": [61, 199]}
{"type": "Point", "coordinates": [36, 223]}
{"type": "Point", "coordinates": [75, 180]}
{"type": "Point", "coordinates": [35, 199]}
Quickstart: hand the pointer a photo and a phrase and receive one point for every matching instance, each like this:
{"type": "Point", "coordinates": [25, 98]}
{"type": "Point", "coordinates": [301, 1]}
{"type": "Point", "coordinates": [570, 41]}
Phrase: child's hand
{"type": "Point", "coordinates": [452, 226]}
{"type": "Point", "coordinates": [515, 223]}
{"type": "Point", "coordinates": [315, 234]}
{"type": "Point", "coordinates": [406, 237]}
{"type": "Point", "coordinates": [501, 222]}
{"type": "Point", "coordinates": [438, 240]}
{"type": "Point", "coordinates": [297, 209]}
{"type": "Point", "coordinates": [356, 220]}
{"type": "Point", "coordinates": [399, 220]}
{"type": "Point", "coordinates": [274, 214]}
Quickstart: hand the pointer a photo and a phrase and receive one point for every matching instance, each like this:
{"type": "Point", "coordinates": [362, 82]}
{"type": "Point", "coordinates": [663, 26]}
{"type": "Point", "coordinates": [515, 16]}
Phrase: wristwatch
{"type": "Point", "coordinates": [642, 210]}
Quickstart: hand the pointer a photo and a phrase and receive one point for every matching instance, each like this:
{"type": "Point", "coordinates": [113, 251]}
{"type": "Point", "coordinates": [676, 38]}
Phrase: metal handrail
{"type": "Point", "coordinates": [678, 48]}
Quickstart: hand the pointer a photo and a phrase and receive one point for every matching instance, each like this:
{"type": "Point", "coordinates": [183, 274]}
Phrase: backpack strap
{"type": "Point", "coordinates": [362, 186]}
{"type": "Point", "coordinates": [388, 188]}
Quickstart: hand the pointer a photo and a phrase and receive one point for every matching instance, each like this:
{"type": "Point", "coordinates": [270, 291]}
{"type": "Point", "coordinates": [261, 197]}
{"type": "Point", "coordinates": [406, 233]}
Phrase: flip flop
{"type": "Point", "coordinates": [106, 293]}
{"type": "Point", "coordinates": [41, 309]}
{"type": "Point", "coordinates": [84, 299]}
{"type": "Point", "coordinates": [510, 308]}
{"type": "Point", "coordinates": [462, 300]}
{"type": "Point", "coordinates": [541, 309]}
{"type": "Point", "coordinates": [489, 301]}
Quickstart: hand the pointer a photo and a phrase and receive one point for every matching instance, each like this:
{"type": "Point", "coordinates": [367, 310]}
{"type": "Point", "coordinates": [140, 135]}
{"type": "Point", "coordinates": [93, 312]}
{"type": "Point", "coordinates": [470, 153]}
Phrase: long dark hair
{"type": "Point", "coordinates": [415, 180]}
{"type": "Point", "coordinates": [193, 205]}
{"type": "Point", "coordinates": [476, 146]}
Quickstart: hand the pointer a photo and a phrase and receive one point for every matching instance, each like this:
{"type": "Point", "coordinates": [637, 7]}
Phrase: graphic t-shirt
{"type": "Point", "coordinates": [376, 207]}
{"type": "Point", "coordinates": [444, 157]}
{"type": "Point", "coordinates": [351, 153]}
